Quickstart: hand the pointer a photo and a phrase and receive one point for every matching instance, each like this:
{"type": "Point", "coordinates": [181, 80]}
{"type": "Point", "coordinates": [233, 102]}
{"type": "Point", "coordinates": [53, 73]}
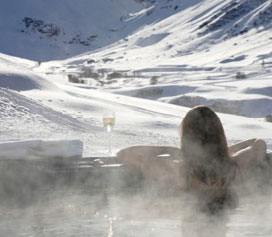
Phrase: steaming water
{"type": "Point", "coordinates": [84, 214]}
{"type": "Point", "coordinates": [101, 204]}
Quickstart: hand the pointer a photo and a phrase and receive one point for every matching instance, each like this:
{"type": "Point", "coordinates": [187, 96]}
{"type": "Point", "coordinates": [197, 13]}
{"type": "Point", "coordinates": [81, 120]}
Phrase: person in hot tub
{"type": "Point", "coordinates": [204, 162]}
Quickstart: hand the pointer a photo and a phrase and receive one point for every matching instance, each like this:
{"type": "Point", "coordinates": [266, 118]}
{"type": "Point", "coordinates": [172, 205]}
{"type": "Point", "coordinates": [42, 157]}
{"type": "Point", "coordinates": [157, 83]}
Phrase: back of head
{"type": "Point", "coordinates": [203, 142]}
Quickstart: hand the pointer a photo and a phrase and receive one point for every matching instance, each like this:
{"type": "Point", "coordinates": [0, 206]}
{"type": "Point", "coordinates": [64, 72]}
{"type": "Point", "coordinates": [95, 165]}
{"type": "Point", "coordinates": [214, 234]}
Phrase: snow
{"type": "Point", "coordinates": [150, 40]}
{"type": "Point", "coordinates": [161, 42]}
{"type": "Point", "coordinates": [74, 20]}
{"type": "Point", "coordinates": [69, 111]}
{"type": "Point", "coordinates": [37, 149]}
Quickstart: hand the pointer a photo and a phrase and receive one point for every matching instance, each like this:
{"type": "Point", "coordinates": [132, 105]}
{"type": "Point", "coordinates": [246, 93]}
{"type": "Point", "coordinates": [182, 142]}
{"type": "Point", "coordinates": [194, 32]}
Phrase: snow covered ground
{"type": "Point", "coordinates": [39, 149]}
{"type": "Point", "coordinates": [35, 105]}
{"type": "Point", "coordinates": [38, 102]}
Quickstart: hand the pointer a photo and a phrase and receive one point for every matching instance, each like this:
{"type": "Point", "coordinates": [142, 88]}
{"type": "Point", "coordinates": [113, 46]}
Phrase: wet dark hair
{"type": "Point", "coordinates": [204, 147]}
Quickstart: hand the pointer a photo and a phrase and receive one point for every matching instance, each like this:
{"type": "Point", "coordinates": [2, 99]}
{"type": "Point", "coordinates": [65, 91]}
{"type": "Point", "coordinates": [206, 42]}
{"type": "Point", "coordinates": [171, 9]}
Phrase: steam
{"type": "Point", "coordinates": [113, 201]}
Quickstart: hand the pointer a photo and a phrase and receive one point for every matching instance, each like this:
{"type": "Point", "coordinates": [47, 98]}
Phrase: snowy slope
{"type": "Point", "coordinates": [192, 64]}
{"type": "Point", "coordinates": [56, 109]}
{"type": "Point", "coordinates": [194, 59]}
{"type": "Point", "coordinates": [58, 29]}
{"type": "Point", "coordinates": [63, 29]}
{"type": "Point", "coordinates": [181, 37]}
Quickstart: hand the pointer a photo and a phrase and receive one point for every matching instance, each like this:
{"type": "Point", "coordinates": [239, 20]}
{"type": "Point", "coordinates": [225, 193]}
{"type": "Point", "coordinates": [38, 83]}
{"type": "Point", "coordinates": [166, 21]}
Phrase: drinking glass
{"type": "Point", "coordinates": [108, 122]}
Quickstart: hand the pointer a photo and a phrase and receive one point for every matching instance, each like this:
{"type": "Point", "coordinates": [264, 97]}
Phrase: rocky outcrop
{"type": "Point", "coordinates": [47, 29]}
{"type": "Point", "coordinates": [229, 18]}
{"type": "Point", "coordinates": [51, 30]}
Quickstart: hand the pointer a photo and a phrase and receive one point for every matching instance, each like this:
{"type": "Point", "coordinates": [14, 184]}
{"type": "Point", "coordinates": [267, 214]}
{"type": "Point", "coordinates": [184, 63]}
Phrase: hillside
{"type": "Point", "coordinates": [60, 29]}
{"type": "Point", "coordinates": [199, 52]}
{"type": "Point", "coordinates": [174, 55]}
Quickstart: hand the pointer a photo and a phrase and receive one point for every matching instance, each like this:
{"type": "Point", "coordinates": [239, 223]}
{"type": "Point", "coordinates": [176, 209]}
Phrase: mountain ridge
{"type": "Point", "coordinates": [87, 26]}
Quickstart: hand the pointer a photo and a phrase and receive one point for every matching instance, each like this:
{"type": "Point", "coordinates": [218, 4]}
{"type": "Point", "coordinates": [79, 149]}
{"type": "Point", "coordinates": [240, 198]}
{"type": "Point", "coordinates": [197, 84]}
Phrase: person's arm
{"type": "Point", "coordinates": [241, 145]}
{"type": "Point", "coordinates": [251, 153]}
{"type": "Point", "coordinates": [147, 160]}
{"type": "Point", "coordinates": [148, 152]}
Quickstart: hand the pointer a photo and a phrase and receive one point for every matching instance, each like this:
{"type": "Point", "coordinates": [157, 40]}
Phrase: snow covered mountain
{"type": "Point", "coordinates": [59, 29]}
{"type": "Point", "coordinates": [135, 55]}
{"type": "Point", "coordinates": [194, 50]}
{"type": "Point", "coordinates": [62, 29]}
